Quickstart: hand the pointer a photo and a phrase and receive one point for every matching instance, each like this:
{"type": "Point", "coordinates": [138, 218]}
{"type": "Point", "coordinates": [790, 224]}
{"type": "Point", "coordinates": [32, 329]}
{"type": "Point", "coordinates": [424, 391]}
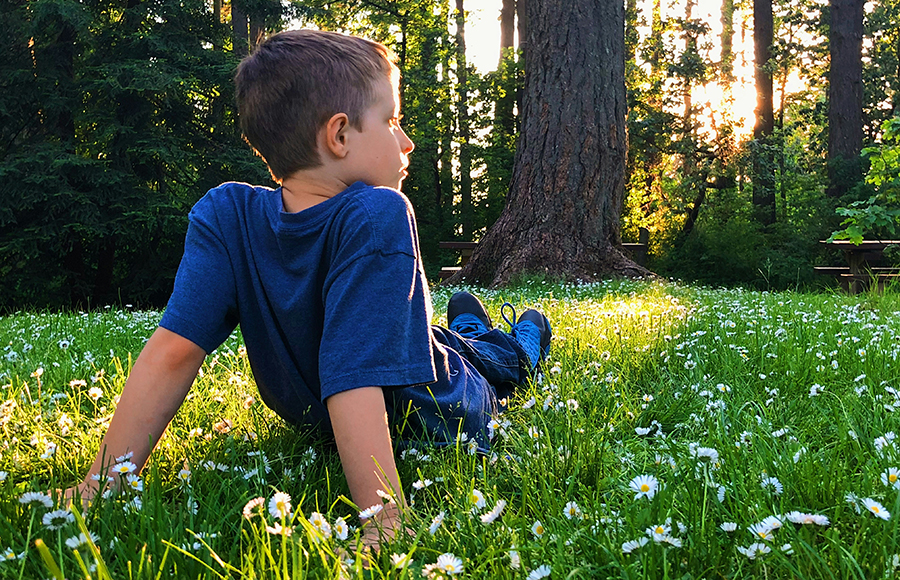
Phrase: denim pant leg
{"type": "Point", "coordinates": [495, 355]}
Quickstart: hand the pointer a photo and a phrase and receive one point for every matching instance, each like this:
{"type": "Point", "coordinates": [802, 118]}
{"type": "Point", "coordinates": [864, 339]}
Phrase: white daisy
{"type": "Point", "coordinates": [645, 486]}
{"type": "Point", "coordinates": [476, 499]}
{"type": "Point", "coordinates": [659, 532]}
{"type": "Point", "coordinates": [754, 550]}
{"type": "Point", "coordinates": [370, 511]}
{"type": "Point", "coordinates": [341, 529]}
{"type": "Point", "coordinates": [772, 484]}
{"type": "Point", "coordinates": [672, 540]}
{"type": "Point", "coordinates": [876, 508]}
{"type": "Point", "coordinates": [728, 526]}
{"type": "Point", "coordinates": [492, 515]}
{"type": "Point", "coordinates": [540, 572]}
{"type": "Point", "coordinates": [36, 497]}
{"type": "Point", "coordinates": [762, 531]}
{"type": "Point", "coordinates": [514, 561]}
{"type": "Point", "coordinates": [806, 519]}
{"type": "Point", "coordinates": [279, 530]}
{"type": "Point", "coordinates": [251, 506]}
{"type": "Point", "coordinates": [319, 522]}
{"type": "Point", "coordinates": [135, 483]}
{"type": "Point", "coordinates": [80, 540]}
{"type": "Point", "coordinates": [572, 511]}
{"type": "Point", "coordinates": [436, 523]}
{"type": "Point", "coordinates": [57, 519]}
{"type": "Point", "coordinates": [9, 554]}
{"type": "Point", "coordinates": [632, 545]}
{"type": "Point", "coordinates": [449, 564]}
{"type": "Point", "coordinates": [537, 528]}
{"type": "Point", "coordinates": [280, 505]}
{"type": "Point", "coordinates": [891, 477]}
{"type": "Point", "coordinates": [123, 468]}
{"type": "Point", "coordinates": [401, 560]}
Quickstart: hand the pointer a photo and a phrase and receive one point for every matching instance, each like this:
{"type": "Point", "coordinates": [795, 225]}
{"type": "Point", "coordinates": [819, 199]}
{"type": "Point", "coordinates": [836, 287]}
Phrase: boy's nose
{"type": "Point", "coordinates": [406, 144]}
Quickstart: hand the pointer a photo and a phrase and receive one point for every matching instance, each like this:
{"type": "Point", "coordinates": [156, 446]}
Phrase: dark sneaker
{"type": "Point", "coordinates": [467, 316]}
{"type": "Point", "coordinates": [543, 326]}
{"type": "Point", "coordinates": [532, 331]}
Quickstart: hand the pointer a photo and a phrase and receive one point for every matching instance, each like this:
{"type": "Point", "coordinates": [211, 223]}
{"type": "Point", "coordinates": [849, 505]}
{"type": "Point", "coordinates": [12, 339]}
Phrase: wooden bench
{"type": "Point", "coordinates": [855, 283]}
{"type": "Point", "coordinates": [637, 252]}
{"type": "Point", "coordinates": [861, 271]}
{"type": "Point", "coordinates": [465, 250]}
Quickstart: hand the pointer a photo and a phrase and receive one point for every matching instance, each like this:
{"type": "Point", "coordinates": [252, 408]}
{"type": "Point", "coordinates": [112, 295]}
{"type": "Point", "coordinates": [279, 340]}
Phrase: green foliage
{"type": "Point", "coordinates": [124, 120]}
{"type": "Point", "coordinates": [879, 215]}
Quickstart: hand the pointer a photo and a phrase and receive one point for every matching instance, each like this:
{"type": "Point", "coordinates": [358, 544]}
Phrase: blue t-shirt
{"type": "Point", "coordinates": [328, 299]}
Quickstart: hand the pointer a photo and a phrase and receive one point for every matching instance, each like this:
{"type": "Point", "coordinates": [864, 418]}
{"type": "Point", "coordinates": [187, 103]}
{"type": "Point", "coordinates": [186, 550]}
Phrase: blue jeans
{"type": "Point", "coordinates": [495, 355]}
{"type": "Point", "coordinates": [473, 375]}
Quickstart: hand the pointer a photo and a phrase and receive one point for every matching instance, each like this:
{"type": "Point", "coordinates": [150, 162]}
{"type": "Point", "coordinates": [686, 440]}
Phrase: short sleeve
{"type": "Point", "coordinates": [377, 330]}
{"type": "Point", "coordinates": [203, 306]}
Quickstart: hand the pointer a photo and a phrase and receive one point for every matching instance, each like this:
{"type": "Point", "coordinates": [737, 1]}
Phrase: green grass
{"type": "Point", "coordinates": [721, 379]}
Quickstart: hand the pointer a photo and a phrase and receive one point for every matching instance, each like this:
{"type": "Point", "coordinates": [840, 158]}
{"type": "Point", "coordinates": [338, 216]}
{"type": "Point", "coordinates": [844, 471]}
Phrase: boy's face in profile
{"type": "Point", "coordinates": [378, 156]}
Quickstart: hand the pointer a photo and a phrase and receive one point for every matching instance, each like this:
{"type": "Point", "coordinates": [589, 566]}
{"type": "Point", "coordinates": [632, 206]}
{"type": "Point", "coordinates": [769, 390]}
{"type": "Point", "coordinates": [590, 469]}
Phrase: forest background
{"type": "Point", "coordinates": [117, 116]}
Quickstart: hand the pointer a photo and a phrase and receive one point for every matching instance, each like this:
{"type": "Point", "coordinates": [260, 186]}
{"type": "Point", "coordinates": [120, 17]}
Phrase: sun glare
{"type": "Point", "coordinates": [714, 104]}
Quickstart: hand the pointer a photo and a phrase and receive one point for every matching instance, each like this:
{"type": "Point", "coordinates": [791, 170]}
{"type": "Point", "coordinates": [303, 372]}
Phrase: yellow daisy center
{"type": "Point", "coordinates": [645, 488]}
{"type": "Point", "coordinates": [539, 529]}
{"type": "Point", "coordinates": [660, 530]}
{"type": "Point", "coordinates": [892, 478]}
{"type": "Point", "coordinates": [875, 509]}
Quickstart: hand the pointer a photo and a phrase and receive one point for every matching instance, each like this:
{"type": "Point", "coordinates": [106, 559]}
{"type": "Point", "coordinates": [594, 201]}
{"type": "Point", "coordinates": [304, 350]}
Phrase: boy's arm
{"type": "Point", "coordinates": [160, 379]}
{"type": "Point", "coordinates": [359, 421]}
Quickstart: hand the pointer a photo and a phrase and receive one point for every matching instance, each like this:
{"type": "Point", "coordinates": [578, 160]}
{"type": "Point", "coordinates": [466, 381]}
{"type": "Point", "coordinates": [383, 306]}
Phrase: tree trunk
{"type": "Point", "coordinates": [562, 214]}
{"type": "Point", "coordinates": [503, 112]}
{"type": "Point", "coordinates": [239, 32]}
{"type": "Point", "coordinates": [845, 96]}
{"type": "Point", "coordinates": [462, 116]}
{"type": "Point", "coordinates": [522, 29]}
{"type": "Point", "coordinates": [507, 26]}
{"type": "Point", "coordinates": [763, 160]}
{"type": "Point", "coordinates": [257, 30]}
{"type": "Point", "coordinates": [217, 17]}
{"type": "Point", "coordinates": [726, 61]}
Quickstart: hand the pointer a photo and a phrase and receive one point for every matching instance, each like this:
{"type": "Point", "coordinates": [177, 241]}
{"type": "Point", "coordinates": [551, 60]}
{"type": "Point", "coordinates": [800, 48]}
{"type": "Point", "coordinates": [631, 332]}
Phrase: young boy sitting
{"type": "Point", "coordinates": [324, 277]}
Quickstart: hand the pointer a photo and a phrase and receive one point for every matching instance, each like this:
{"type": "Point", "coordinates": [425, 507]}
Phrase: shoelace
{"type": "Point", "coordinates": [466, 327]}
{"type": "Point", "coordinates": [503, 315]}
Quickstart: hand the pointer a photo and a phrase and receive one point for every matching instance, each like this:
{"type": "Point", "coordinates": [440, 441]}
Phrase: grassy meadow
{"type": "Point", "coordinates": [677, 432]}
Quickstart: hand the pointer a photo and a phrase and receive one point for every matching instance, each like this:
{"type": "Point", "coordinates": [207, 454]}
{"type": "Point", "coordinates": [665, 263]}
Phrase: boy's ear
{"type": "Point", "coordinates": [335, 134]}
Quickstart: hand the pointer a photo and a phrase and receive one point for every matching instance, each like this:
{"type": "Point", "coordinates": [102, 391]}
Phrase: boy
{"type": "Point", "coordinates": [324, 276]}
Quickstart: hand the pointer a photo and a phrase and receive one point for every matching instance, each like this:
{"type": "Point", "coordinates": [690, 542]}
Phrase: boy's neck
{"type": "Point", "coordinates": [304, 189]}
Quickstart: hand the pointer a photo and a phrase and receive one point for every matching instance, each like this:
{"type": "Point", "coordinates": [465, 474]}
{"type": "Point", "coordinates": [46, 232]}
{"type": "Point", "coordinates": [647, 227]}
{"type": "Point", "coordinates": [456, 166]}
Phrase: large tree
{"type": "Point", "coordinates": [845, 95]}
{"type": "Point", "coordinates": [763, 159]}
{"type": "Point", "coordinates": [562, 213]}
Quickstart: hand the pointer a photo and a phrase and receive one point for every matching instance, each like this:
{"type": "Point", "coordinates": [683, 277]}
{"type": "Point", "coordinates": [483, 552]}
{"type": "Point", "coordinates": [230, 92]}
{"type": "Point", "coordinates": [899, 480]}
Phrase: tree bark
{"type": "Point", "coordinates": [504, 108]}
{"type": "Point", "coordinates": [466, 217]}
{"type": "Point", "coordinates": [763, 160]}
{"type": "Point", "coordinates": [726, 61]}
{"type": "Point", "coordinates": [239, 32]}
{"type": "Point", "coordinates": [257, 30]}
{"type": "Point", "coordinates": [562, 214]}
{"type": "Point", "coordinates": [845, 96]}
{"type": "Point", "coordinates": [522, 30]}
{"type": "Point", "coordinates": [217, 17]}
